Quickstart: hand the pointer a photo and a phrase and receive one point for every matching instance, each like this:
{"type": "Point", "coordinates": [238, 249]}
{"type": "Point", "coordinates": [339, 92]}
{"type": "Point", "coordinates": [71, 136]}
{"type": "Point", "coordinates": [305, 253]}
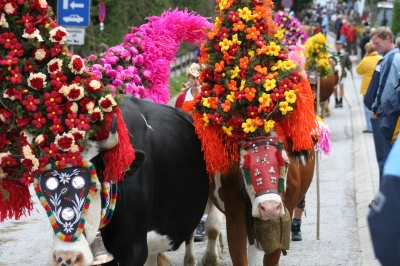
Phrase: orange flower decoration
{"type": "Point", "coordinates": [211, 34]}
{"type": "Point", "coordinates": [219, 67]}
{"type": "Point", "coordinates": [232, 86]}
{"type": "Point", "coordinates": [261, 70]}
{"type": "Point", "coordinates": [244, 62]}
{"type": "Point", "coordinates": [260, 12]}
{"type": "Point", "coordinates": [226, 107]}
{"type": "Point", "coordinates": [239, 26]}
{"type": "Point", "coordinates": [252, 33]}
{"type": "Point", "coordinates": [250, 93]}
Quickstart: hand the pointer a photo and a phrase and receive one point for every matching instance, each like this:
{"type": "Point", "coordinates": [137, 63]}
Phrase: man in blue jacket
{"type": "Point", "coordinates": [384, 216]}
{"type": "Point", "coordinates": [382, 39]}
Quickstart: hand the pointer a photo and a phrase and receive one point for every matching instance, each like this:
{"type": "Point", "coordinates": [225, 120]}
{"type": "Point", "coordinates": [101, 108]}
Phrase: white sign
{"type": "Point", "coordinates": [76, 36]}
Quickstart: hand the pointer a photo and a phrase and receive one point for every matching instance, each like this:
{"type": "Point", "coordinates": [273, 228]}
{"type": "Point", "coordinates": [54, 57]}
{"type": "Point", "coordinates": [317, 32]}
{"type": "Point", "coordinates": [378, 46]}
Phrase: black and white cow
{"type": "Point", "coordinates": [162, 197]}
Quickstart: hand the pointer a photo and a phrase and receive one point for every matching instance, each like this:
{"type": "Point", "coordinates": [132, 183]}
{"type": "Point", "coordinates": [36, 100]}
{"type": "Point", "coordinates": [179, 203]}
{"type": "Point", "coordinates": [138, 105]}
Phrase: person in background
{"type": "Point", "coordinates": [193, 88]}
{"type": "Point", "coordinates": [351, 39]}
{"type": "Point", "coordinates": [296, 222]}
{"type": "Point", "coordinates": [383, 218]}
{"type": "Point", "coordinates": [343, 31]}
{"type": "Point", "coordinates": [382, 39]}
{"type": "Point", "coordinates": [325, 22]}
{"type": "Point", "coordinates": [345, 63]}
{"type": "Point", "coordinates": [364, 40]}
{"type": "Point", "coordinates": [366, 68]}
{"type": "Point", "coordinates": [338, 25]}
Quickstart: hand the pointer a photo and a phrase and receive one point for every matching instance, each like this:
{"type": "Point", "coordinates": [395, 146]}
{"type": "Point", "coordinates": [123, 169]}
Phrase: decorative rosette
{"type": "Point", "coordinates": [141, 64]}
{"type": "Point", "coordinates": [290, 26]}
{"type": "Point", "coordinates": [249, 86]}
{"type": "Point", "coordinates": [317, 55]}
{"type": "Point", "coordinates": [49, 105]}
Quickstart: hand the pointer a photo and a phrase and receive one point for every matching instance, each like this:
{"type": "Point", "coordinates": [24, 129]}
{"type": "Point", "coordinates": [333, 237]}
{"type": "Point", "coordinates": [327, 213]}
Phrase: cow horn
{"type": "Point", "coordinates": [112, 139]}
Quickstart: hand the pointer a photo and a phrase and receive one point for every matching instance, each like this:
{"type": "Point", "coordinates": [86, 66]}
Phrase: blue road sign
{"type": "Point", "coordinates": [73, 13]}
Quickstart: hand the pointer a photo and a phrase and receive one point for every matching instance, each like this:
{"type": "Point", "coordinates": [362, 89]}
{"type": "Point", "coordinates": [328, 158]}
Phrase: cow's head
{"type": "Point", "coordinates": [264, 167]}
{"type": "Point", "coordinates": [68, 199]}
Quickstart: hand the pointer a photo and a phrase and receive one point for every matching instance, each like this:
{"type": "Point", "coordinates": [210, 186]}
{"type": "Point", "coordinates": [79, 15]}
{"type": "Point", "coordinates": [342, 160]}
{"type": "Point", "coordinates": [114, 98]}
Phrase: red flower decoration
{"type": "Point", "coordinates": [55, 50]}
{"type": "Point", "coordinates": [51, 98]}
{"type": "Point", "coordinates": [27, 178]}
{"type": "Point", "coordinates": [16, 50]}
{"type": "Point", "coordinates": [95, 116]}
{"type": "Point", "coordinates": [40, 54]}
{"type": "Point", "coordinates": [16, 76]}
{"type": "Point", "coordinates": [57, 126]}
{"type": "Point", "coordinates": [51, 152]}
{"type": "Point", "coordinates": [73, 158]}
{"type": "Point", "coordinates": [29, 67]}
{"type": "Point", "coordinates": [9, 60]}
{"type": "Point", "coordinates": [252, 111]}
{"type": "Point", "coordinates": [30, 103]}
{"type": "Point", "coordinates": [38, 120]}
{"type": "Point", "coordinates": [8, 39]}
{"type": "Point", "coordinates": [7, 161]}
{"type": "Point", "coordinates": [65, 142]}
{"type": "Point", "coordinates": [83, 122]}
{"type": "Point", "coordinates": [71, 120]}
{"type": "Point", "coordinates": [84, 104]}
{"type": "Point", "coordinates": [58, 80]}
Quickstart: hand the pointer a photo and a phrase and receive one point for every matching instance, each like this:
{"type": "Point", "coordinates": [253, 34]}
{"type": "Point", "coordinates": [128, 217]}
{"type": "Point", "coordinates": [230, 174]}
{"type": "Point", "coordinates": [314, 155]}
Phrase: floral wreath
{"type": "Point", "coordinates": [249, 86]}
{"type": "Point", "coordinates": [141, 64]}
{"type": "Point", "coordinates": [317, 55]}
{"type": "Point", "coordinates": [50, 106]}
{"type": "Point", "coordinates": [292, 31]}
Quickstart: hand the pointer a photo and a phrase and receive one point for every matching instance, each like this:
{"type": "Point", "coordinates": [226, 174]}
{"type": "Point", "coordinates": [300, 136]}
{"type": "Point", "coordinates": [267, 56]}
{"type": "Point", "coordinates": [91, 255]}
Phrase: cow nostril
{"type": "Point", "coordinates": [59, 259]}
{"type": "Point", "coordinates": [68, 262]}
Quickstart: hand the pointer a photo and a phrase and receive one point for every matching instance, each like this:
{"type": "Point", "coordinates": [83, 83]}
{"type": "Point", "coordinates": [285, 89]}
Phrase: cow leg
{"type": "Point", "coordinates": [190, 256]}
{"type": "Point", "coordinates": [252, 254]}
{"type": "Point", "coordinates": [272, 259]}
{"type": "Point", "coordinates": [151, 260]}
{"type": "Point", "coordinates": [213, 253]}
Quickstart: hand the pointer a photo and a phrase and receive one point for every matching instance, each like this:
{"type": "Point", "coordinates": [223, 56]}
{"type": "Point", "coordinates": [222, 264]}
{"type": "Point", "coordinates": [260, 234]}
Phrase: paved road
{"type": "Point", "coordinates": [348, 181]}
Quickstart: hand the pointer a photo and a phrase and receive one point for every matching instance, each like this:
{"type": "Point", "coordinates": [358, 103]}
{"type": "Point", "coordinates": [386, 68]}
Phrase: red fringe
{"type": "Point", "coordinates": [218, 149]}
{"type": "Point", "coordinates": [17, 203]}
{"type": "Point", "coordinates": [119, 158]}
{"type": "Point", "coordinates": [299, 125]}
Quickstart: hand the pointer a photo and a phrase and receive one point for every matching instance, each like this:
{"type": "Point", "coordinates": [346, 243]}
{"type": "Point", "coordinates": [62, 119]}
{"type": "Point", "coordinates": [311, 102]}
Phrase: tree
{"type": "Point", "coordinates": [396, 17]}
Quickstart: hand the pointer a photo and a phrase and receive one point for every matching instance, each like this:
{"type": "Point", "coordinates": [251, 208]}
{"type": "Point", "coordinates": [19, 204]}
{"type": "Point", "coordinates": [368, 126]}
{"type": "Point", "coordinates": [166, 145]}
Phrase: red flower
{"type": "Point", "coordinates": [224, 33]}
{"type": "Point", "coordinates": [40, 54]}
{"type": "Point", "coordinates": [59, 36]}
{"type": "Point", "coordinates": [55, 50]}
{"type": "Point", "coordinates": [261, 26]}
{"type": "Point", "coordinates": [76, 65]}
{"type": "Point", "coordinates": [260, 42]}
{"type": "Point", "coordinates": [258, 79]}
{"type": "Point", "coordinates": [25, 19]}
{"type": "Point", "coordinates": [9, 61]}
{"type": "Point", "coordinates": [16, 50]}
{"type": "Point", "coordinates": [8, 39]}
{"type": "Point", "coordinates": [78, 80]}
{"type": "Point", "coordinates": [43, 161]}
{"type": "Point", "coordinates": [38, 120]}
{"type": "Point", "coordinates": [29, 67]}
{"type": "Point", "coordinates": [43, 141]}
{"type": "Point", "coordinates": [27, 163]}
{"type": "Point", "coordinates": [26, 179]}
{"type": "Point", "coordinates": [233, 16]}
{"type": "Point", "coordinates": [65, 142]}
{"type": "Point", "coordinates": [11, 8]}
{"type": "Point", "coordinates": [7, 161]}
{"type": "Point", "coordinates": [41, 6]}
{"type": "Point", "coordinates": [53, 111]}
{"type": "Point", "coordinates": [22, 122]}
{"type": "Point", "coordinates": [52, 151]}
{"type": "Point", "coordinates": [73, 158]}
{"type": "Point", "coordinates": [13, 94]}
{"type": "Point", "coordinates": [71, 120]}
{"type": "Point", "coordinates": [84, 102]}
{"type": "Point", "coordinates": [57, 126]}
{"type": "Point", "coordinates": [252, 111]}
{"type": "Point", "coordinates": [58, 80]}
{"type": "Point", "coordinates": [83, 122]}
{"type": "Point", "coordinates": [30, 103]}
{"type": "Point", "coordinates": [51, 98]}
{"type": "Point", "coordinates": [4, 141]}
{"type": "Point", "coordinates": [16, 76]}
{"type": "Point", "coordinates": [95, 116]}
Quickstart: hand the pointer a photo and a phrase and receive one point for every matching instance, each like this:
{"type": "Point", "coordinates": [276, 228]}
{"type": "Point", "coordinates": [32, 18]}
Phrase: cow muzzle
{"type": "Point", "coordinates": [264, 172]}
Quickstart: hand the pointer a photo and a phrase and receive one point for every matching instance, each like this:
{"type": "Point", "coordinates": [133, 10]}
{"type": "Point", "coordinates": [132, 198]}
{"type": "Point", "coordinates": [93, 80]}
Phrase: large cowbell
{"type": "Point", "coordinates": [66, 194]}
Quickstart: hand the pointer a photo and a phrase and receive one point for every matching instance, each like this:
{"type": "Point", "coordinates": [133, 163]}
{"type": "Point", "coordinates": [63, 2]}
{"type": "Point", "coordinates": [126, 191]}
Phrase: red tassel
{"type": "Point", "coordinates": [119, 158]}
{"type": "Point", "coordinates": [17, 202]}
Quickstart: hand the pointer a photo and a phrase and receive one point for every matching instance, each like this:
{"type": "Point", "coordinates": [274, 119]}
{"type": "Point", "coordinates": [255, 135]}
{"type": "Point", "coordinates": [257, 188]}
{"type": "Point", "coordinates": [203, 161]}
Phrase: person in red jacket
{"type": "Point", "coordinates": [192, 74]}
{"type": "Point", "coordinates": [351, 39]}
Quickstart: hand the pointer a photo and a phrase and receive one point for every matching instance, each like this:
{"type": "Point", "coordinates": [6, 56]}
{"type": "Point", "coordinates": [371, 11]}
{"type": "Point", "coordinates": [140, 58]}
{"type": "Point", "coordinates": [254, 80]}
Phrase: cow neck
{"type": "Point", "coordinates": [264, 168]}
{"type": "Point", "coordinates": [66, 193]}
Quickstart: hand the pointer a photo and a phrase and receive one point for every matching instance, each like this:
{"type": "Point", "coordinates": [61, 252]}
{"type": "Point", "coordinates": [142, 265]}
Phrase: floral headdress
{"type": "Point", "coordinates": [292, 31]}
{"type": "Point", "coordinates": [141, 65]}
{"type": "Point", "coordinates": [249, 85]}
{"type": "Point", "coordinates": [49, 105]}
{"type": "Point", "coordinates": [317, 55]}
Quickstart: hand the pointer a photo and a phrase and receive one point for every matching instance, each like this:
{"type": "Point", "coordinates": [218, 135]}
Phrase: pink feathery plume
{"type": "Point", "coordinates": [324, 142]}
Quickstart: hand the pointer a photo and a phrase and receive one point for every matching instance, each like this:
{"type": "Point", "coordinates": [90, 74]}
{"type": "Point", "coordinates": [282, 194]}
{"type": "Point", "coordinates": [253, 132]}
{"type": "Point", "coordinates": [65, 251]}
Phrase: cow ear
{"type": "Point", "coordinates": [140, 158]}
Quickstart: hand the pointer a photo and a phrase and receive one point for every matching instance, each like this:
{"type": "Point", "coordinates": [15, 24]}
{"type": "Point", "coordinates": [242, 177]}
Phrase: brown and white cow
{"type": "Point", "coordinates": [228, 194]}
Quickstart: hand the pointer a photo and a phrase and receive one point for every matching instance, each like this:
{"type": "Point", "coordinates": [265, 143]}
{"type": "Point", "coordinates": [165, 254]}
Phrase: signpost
{"type": "Point", "coordinates": [76, 36]}
{"type": "Point", "coordinates": [102, 14]}
{"type": "Point", "coordinates": [73, 13]}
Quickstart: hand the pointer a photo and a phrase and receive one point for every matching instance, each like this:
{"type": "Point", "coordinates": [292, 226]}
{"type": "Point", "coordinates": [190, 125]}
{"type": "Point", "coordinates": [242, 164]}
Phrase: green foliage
{"type": "Point", "coordinates": [176, 84]}
{"type": "Point", "coordinates": [122, 15]}
{"type": "Point", "coordinates": [396, 17]}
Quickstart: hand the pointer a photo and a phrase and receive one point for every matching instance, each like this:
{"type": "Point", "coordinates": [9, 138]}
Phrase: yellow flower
{"type": "Point", "coordinates": [235, 72]}
{"type": "Point", "coordinates": [206, 103]}
{"type": "Point", "coordinates": [278, 65]}
{"type": "Point", "coordinates": [224, 4]}
{"type": "Point", "coordinates": [242, 84]}
{"type": "Point", "coordinates": [217, 22]}
{"type": "Point", "coordinates": [290, 96]}
{"type": "Point", "coordinates": [206, 120]}
{"type": "Point", "coordinates": [268, 125]}
{"type": "Point", "coordinates": [248, 126]}
{"type": "Point", "coordinates": [235, 39]}
{"type": "Point", "coordinates": [231, 97]}
{"type": "Point", "coordinates": [225, 44]}
{"type": "Point", "coordinates": [269, 84]}
{"type": "Point", "coordinates": [227, 130]}
{"type": "Point", "coordinates": [273, 49]}
{"type": "Point", "coordinates": [284, 107]}
{"type": "Point", "coordinates": [288, 64]}
{"type": "Point", "coordinates": [245, 14]}
{"type": "Point", "coordinates": [251, 53]}
{"type": "Point", "coordinates": [265, 99]}
{"type": "Point", "coordinates": [279, 34]}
